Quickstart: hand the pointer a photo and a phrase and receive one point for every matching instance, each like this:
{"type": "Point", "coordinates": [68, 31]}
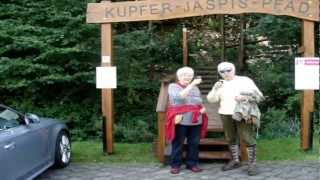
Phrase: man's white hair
{"type": "Point", "coordinates": [226, 65]}
{"type": "Point", "coordinates": [184, 70]}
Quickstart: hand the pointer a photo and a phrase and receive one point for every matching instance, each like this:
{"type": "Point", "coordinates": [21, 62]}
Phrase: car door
{"type": "Point", "coordinates": [6, 170]}
{"type": "Point", "coordinates": [29, 150]}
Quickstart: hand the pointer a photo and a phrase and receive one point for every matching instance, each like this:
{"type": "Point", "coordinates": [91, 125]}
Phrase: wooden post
{"type": "Point", "coordinates": [161, 110]}
{"type": "Point", "coordinates": [223, 39]}
{"type": "Point", "coordinates": [161, 136]}
{"type": "Point", "coordinates": [107, 94]}
{"type": "Point", "coordinates": [185, 46]}
{"type": "Point", "coordinates": [307, 101]}
{"type": "Point", "coordinates": [241, 60]}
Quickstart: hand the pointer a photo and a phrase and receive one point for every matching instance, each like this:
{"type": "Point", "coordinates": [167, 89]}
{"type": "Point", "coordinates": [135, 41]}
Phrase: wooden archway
{"type": "Point", "coordinates": [106, 12]}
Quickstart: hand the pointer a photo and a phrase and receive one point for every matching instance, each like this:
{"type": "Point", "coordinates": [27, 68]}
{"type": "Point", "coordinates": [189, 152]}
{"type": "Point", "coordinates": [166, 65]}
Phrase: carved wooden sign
{"type": "Point", "coordinates": [107, 12]}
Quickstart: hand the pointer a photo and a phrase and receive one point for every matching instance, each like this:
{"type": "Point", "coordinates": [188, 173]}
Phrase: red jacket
{"type": "Point", "coordinates": [172, 111]}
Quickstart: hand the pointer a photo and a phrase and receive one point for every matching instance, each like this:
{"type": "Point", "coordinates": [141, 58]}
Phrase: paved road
{"type": "Point", "coordinates": [268, 170]}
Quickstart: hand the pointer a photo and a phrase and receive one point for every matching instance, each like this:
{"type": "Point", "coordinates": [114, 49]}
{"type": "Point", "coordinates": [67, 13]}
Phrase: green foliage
{"type": "Point", "coordinates": [277, 123]}
{"type": "Point", "coordinates": [49, 49]}
{"type": "Point", "coordinates": [273, 72]}
{"type": "Point", "coordinates": [136, 129]}
{"type": "Point", "coordinates": [141, 58]}
{"type": "Point", "coordinates": [279, 111]}
{"type": "Point", "coordinates": [278, 29]}
{"type": "Point", "coordinates": [83, 119]}
{"type": "Point", "coordinates": [47, 62]}
{"type": "Point", "coordinates": [48, 56]}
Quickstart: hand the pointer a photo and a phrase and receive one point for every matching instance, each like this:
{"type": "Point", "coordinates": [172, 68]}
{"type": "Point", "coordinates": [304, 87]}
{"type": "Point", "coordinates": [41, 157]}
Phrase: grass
{"type": "Point", "coordinates": [287, 149]}
{"type": "Point", "coordinates": [91, 151]}
{"type": "Point", "coordinates": [284, 149]}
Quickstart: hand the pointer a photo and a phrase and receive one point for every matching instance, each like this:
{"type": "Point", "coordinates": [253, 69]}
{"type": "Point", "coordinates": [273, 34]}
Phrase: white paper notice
{"type": "Point", "coordinates": [307, 73]}
{"type": "Point", "coordinates": [106, 59]}
{"type": "Point", "coordinates": [106, 77]}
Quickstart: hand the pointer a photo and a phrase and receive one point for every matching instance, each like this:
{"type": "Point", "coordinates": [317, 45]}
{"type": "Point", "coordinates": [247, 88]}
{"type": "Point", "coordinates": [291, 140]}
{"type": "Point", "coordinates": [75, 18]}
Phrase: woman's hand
{"type": "Point", "coordinates": [196, 82]}
{"type": "Point", "coordinates": [185, 91]}
{"type": "Point", "coordinates": [202, 110]}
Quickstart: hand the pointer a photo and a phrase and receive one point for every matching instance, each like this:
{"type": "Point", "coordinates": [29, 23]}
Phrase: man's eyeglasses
{"type": "Point", "coordinates": [226, 70]}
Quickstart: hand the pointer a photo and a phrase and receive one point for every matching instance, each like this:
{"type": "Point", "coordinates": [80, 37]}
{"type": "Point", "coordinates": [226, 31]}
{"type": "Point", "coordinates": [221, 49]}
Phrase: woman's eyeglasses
{"type": "Point", "coordinates": [226, 70]}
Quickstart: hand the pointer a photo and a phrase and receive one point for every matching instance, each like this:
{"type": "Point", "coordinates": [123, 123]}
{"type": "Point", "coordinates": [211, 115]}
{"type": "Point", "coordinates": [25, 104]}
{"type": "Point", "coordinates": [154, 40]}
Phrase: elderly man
{"type": "Point", "coordinates": [229, 92]}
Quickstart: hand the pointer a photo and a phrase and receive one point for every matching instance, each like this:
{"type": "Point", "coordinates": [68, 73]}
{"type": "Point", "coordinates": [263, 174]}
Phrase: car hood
{"type": "Point", "coordinates": [47, 121]}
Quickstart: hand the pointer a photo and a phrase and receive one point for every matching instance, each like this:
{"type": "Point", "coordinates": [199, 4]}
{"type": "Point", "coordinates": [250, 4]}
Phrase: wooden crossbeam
{"type": "Point", "coordinates": [146, 10]}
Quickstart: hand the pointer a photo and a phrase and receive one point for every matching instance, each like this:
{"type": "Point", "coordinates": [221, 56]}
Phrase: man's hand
{"type": "Point", "coordinates": [218, 85]}
{"type": "Point", "coordinates": [241, 98]}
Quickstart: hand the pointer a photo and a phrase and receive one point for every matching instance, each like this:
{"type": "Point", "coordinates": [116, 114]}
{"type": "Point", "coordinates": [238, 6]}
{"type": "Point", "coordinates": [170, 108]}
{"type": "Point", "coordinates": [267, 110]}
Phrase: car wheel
{"type": "Point", "coordinates": [63, 150]}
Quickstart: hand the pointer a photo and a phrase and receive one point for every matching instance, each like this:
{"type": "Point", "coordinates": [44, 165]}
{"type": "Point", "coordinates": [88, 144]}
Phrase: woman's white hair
{"type": "Point", "coordinates": [226, 65]}
{"type": "Point", "coordinates": [184, 70]}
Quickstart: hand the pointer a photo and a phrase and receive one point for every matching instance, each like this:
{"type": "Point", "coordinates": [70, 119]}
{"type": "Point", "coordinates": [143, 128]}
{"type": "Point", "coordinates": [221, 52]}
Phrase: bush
{"type": "Point", "coordinates": [83, 119]}
{"type": "Point", "coordinates": [281, 109]}
{"type": "Point", "coordinates": [136, 129]}
{"type": "Point", "coordinates": [48, 57]}
{"type": "Point", "coordinates": [142, 57]}
{"type": "Point", "coordinates": [276, 124]}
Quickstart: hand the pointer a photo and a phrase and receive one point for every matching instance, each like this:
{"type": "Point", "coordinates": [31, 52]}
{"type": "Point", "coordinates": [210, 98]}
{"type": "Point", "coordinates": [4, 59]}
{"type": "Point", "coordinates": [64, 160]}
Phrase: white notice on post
{"type": "Point", "coordinates": [307, 73]}
{"type": "Point", "coordinates": [106, 77]}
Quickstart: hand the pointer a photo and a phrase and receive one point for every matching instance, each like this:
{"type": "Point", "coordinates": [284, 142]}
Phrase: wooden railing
{"type": "Point", "coordinates": [161, 110]}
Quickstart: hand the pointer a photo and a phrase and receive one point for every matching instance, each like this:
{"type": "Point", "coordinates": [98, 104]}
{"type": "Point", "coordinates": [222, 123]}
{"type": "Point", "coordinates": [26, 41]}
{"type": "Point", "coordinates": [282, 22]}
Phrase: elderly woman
{"type": "Point", "coordinates": [186, 119]}
{"type": "Point", "coordinates": [233, 93]}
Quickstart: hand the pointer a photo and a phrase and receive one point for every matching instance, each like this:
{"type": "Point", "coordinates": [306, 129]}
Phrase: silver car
{"type": "Point", "coordinates": [29, 144]}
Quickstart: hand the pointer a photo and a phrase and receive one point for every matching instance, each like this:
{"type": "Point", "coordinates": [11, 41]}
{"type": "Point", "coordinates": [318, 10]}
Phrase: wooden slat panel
{"type": "Point", "coordinates": [212, 111]}
{"type": "Point", "coordinates": [213, 141]}
{"type": "Point", "coordinates": [214, 155]}
{"type": "Point", "coordinates": [210, 155]}
{"type": "Point", "coordinates": [170, 9]}
{"type": "Point", "coordinates": [213, 129]}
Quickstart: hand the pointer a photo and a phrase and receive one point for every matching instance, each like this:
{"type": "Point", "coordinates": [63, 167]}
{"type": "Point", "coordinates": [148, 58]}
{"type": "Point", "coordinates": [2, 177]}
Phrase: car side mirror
{"type": "Point", "coordinates": [31, 118]}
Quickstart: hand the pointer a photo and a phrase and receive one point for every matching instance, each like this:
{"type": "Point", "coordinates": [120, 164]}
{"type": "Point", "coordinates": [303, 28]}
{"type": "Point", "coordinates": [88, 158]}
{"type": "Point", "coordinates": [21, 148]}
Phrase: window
{"type": "Point", "coordinates": [8, 118]}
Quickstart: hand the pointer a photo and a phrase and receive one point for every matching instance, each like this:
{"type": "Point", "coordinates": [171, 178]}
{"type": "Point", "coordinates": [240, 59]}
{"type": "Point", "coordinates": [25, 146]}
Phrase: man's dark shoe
{"type": "Point", "coordinates": [175, 170]}
{"type": "Point", "coordinates": [231, 165]}
{"type": "Point", "coordinates": [252, 170]}
{"type": "Point", "coordinates": [195, 169]}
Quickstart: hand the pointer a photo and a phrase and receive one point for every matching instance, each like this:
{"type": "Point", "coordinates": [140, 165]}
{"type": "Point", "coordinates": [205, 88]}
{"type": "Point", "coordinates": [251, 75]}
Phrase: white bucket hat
{"type": "Point", "coordinates": [184, 70]}
{"type": "Point", "coordinates": [226, 65]}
